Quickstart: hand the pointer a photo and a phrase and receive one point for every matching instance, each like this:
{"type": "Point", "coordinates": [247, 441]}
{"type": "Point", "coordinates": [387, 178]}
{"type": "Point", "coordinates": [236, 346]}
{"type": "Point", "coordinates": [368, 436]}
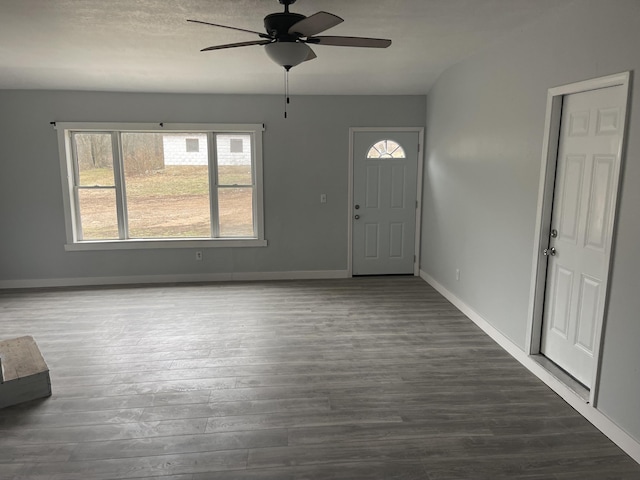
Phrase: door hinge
{"type": "Point", "coordinates": [414, 259]}
{"type": "Point", "coordinates": [416, 204]}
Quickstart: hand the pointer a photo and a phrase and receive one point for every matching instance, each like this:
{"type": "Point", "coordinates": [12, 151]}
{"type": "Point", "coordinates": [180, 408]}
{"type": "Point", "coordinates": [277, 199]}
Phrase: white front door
{"type": "Point", "coordinates": [385, 171]}
{"type": "Point", "coordinates": [589, 153]}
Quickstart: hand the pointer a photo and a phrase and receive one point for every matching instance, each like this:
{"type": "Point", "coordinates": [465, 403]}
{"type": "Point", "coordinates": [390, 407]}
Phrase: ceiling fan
{"type": "Point", "coordinates": [289, 35]}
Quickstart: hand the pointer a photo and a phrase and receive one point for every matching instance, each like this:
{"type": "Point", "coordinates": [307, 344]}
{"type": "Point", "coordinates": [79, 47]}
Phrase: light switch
{"type": "Point", "coordinates": [323, 198]}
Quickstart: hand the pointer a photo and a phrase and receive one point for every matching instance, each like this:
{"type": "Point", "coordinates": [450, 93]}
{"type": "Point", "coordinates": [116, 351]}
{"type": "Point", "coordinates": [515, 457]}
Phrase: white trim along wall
{"type": "Point", "coordinates": [584, 408]}
{"type": "Point", "coordinates": [169, 279]}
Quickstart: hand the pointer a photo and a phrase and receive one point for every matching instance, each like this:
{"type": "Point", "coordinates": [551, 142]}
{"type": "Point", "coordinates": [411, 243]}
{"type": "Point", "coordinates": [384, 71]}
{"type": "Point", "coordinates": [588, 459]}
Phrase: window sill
{"type": "Point", "coordinates": [164, 243]}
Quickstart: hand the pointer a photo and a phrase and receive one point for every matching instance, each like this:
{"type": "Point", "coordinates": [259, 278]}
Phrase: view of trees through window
{"type": "Point", "coordinates": [165, 188]}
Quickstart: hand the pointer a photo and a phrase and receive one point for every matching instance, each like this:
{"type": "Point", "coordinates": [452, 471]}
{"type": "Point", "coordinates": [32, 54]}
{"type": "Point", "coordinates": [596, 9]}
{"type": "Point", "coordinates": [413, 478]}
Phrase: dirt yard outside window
{"type": "Point", "coordinates": [172, 202]}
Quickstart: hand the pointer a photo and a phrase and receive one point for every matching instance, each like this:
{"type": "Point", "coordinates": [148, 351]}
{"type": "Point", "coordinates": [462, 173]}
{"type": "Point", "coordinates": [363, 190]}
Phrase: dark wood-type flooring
{"type": "Point", "coordinates": [356, 379]}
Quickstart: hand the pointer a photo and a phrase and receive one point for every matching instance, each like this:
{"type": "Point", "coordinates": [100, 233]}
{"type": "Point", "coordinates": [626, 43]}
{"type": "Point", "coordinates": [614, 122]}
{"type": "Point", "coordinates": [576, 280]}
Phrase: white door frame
{"type": "Point", "coordinates": [420, 131]}
{"type": "Point", "coordinates": [545, 206]}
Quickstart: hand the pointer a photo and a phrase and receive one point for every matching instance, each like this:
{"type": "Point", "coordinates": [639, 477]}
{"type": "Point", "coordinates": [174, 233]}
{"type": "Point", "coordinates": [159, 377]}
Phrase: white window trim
{"type": "Point", "coordinates": [67, 168]}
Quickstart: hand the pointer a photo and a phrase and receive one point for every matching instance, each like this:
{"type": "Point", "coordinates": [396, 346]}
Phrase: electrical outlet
{"type": "Point", "coordinates": [457, 274]}
{"type": "Point", "coordinates": [198, 256]}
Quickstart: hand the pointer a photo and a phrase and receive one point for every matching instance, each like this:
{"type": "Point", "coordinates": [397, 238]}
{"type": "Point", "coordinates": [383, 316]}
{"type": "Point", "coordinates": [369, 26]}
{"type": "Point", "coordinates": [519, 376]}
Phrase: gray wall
{"type": "Point", "coordinates": [485, 120]}
{"type": "Point", "coordinates": [304, 156]}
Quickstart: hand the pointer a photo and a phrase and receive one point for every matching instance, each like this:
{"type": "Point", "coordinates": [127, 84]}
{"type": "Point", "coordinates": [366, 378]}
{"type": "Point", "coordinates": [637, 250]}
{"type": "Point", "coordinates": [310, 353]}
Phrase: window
{"type": "Point", "coordinates": [192, 145]}
{"type": "Point", "coordinates": [137, 186]}
{"type": "Point", "coordinates": [236, 145]}
{"type": "Point", "coordinates": [386, 149]}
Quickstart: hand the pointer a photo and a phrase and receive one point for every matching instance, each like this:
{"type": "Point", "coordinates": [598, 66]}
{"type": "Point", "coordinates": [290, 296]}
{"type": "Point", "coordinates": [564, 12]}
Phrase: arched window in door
{"type": "Point", "coordinates": [386, 149]}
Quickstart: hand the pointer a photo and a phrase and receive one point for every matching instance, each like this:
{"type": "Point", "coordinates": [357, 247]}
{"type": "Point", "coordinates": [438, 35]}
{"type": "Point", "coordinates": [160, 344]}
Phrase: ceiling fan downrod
{"type": "Point", "coordinates": [286, 4]}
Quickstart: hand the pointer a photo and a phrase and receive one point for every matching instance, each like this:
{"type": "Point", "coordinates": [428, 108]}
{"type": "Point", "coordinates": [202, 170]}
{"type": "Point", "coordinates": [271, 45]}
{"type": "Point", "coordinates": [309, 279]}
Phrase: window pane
{"type": "Point", "coordinates": [236, 145]}
{"type": "Point", "coordinates": [167, 187]}
{"type": "Point", "coordinates": [95, 159]}
{"type": "Point", "coordinates": [234, 159]}
{"type": "Point", "coordinates": [235, 206]}
{"type": "Point", "coordinates": [98, 214]}
{"type": "Point", "coordinates": [386, 149]}
{"type": "Point", "coordinates": [192, 144]}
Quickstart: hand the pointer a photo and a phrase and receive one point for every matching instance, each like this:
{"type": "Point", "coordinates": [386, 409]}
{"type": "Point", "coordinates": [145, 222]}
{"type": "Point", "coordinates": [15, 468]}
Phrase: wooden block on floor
{"type": "Point", "coordinates": [24, 375]}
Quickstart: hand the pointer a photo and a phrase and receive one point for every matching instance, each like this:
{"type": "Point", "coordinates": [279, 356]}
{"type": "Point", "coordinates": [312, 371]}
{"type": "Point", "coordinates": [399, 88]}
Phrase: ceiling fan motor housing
{"type": "Point", "coordinates": [278, 24]}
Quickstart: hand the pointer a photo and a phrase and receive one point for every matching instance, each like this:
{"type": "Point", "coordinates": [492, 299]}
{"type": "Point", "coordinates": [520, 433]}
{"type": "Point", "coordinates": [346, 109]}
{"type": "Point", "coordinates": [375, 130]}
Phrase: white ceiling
{"type": "Point", "coordinates": [147, 45]}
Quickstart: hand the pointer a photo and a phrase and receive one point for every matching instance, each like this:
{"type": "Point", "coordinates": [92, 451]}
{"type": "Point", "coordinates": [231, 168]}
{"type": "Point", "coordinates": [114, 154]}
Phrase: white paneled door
{"type": "Point", "coordinates": [385, 170]}
{"type": "Point", "coordinates": [589, 154]}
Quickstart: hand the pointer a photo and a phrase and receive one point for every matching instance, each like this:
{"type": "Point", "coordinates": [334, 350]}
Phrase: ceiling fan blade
{"type": "Point", "coordinates": [316, 23]}
{"type": "Point", "coordinates": [350, 41]}
{"type": "Point", "coordinates": [233, 45]}
{"type": "Point", "coordinates": [262, 35]}
{"type": "Point", "coordinates": [311, 55]}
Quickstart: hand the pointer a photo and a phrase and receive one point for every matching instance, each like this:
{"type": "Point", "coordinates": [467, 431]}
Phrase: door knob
{"type": "Point", "coordinates": [549, 252]}
{"type": "Point", "coordinates": [357, 217]}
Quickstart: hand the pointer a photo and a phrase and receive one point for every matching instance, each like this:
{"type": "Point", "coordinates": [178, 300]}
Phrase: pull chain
{"type": "Point", "coordinates": [286, 90]}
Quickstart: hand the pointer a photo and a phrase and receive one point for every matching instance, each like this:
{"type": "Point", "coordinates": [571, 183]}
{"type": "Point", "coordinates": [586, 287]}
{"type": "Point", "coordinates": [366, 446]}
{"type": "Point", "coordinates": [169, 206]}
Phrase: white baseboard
{"type": "Point", "coordinates": [182, 278]}
{"type": "Point", "coordinates": [603, 423]}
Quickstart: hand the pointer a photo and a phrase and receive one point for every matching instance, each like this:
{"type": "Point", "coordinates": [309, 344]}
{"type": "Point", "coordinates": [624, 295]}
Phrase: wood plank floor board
{"type": "Point", "coordinates": [70, 360]}
{"type": "Point", "coordinates": [239, 408]}
{"type": "Point", "coordinates": [93, 433]}
{"type": "Point", "coordinates": [58, 404]}
{"type": "Point", "coordinates": [28, 454]}
{"type": "Point", "coordinates": [342, 360]}
{"type": "Point", "coordinates": [542, 464]}
{"type": "Point", "coordinates": [417, 408]}
{"type": "Point", "coordinates": [436, 447]}
{"type": "Point", "coordinates": [622, 472]}
{"type": "Point", "coordinates": [509, 425]}
{"type": "Point", "coordinates": [187, 476]}
{"type": "Point", "coordinates": [417, 399]}
{"type": "Point", "coordinates": [142, 388]}
{"type": "Point", "coordinates": [112, 368]}
{"type": "Point", "coordinates": [121, 468]}
{"type": "Point", "coordinates": [70, 418]}
{"type": "Point", "coordinates": [203, 348]}
{"type": "Point", "coordinates": [143, 447]}
{"type": "Point", "coordinates": [349, 433]}
{"type": "Point", "coordinates": [488, 412]}
{"type": "Point", "coordinates": [274, 457]}
{"type": "Point", "coordinates": [13, 470]}
{"type": "Point", "coordinates": [352, 379]}
{"type": "Point", "coordinates": [373, 470]}
{"type": "Point", "coordinates": [287, 420]}
{"type": "Point", "coordinates": [355, 379]}
{"type": "Point", "coordinates": [417, 353]}
{"type": "Point", "coordinates": [82, 380]}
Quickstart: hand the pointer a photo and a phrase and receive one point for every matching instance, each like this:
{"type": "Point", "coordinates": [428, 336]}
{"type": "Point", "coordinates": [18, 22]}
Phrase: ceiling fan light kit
{"type": "Point", "coordinates": [287, 54]}
{"type": "Point", "coordinates": [288, 35]}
